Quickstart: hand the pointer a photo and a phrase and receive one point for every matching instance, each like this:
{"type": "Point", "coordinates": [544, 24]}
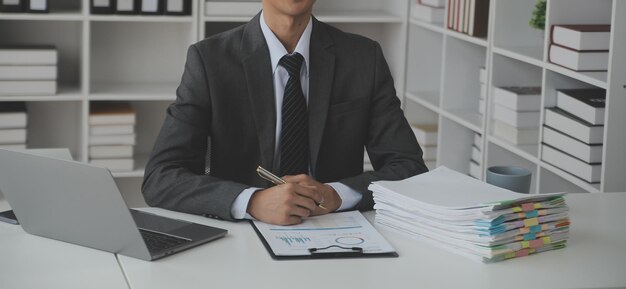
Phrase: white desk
{"type": "Point", "coordinates": [594, 258]}
{"type": "Point", "coordinates": [28, 261]}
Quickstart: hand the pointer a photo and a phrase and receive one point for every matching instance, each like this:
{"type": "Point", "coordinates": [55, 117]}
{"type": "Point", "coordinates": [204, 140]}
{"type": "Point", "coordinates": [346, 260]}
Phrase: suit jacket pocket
{"type": "Point", "coordinates": [351, 105]}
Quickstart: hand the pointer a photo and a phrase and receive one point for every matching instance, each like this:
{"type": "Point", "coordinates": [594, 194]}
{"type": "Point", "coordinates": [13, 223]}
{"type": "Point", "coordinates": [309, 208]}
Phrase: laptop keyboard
{"type": "Point", "coordinates": [158, 242]}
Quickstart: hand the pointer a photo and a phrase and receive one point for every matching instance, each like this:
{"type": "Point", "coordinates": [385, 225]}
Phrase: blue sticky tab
{"type": "Point", "coordinates": [532, 214]}
{"type": "Point", "coordinates": [529, 236]}
{"type": "Point", "coordinates": [535, 229]}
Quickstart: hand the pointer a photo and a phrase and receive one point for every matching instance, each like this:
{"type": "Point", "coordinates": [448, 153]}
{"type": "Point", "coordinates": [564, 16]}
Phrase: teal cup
{"type": "Point", "coordinates": [516, 179]}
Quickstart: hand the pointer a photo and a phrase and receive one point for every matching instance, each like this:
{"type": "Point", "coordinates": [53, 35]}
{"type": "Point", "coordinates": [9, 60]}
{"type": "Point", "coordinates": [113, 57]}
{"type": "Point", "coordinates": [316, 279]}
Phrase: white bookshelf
{"type": "Point", "coordinates": [442, 79]}
{"type": "Point", "coordinates": [140, 59]}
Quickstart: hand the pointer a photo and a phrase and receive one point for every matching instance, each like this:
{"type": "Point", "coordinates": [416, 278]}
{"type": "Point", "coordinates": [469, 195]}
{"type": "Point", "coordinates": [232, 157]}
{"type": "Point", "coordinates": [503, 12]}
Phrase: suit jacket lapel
{"type": "Point", "coordinates": [322, 62]}
{"type": "Point", "coordinates": [258, 73]}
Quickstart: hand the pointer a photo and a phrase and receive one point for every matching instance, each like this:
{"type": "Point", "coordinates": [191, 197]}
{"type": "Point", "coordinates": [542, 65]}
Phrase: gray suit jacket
{"type": "Point", "coordinates": [226, 93]}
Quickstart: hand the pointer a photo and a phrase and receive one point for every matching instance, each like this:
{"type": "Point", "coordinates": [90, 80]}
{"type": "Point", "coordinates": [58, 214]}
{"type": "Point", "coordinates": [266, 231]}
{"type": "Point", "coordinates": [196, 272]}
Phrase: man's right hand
{"type": "Point", "coordinates": [284, 204]}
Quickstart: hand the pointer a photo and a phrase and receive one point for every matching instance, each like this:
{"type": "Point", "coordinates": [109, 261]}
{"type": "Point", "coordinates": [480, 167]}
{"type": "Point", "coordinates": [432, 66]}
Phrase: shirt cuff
{"type": "Point", "coordinates": [349, 197]}
{"type": "Point", "coordinates": [240, 205]}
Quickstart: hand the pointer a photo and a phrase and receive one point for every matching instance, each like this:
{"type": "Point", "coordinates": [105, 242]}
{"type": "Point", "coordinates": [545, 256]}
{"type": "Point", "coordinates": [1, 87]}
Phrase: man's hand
{"type": "Point", "coordinates": [284, 204]}
{"type": "Point", "coordinates": [331, 200]}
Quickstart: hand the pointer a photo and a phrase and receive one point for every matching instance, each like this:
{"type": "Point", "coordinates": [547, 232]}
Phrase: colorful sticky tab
{"type": "Point", "coordinates": [546, 240]}
{"type": "Point", "coordinates": [532, 214]}
{"type": "Point", "coordinates": [531, 222]}
{"type": "Point", "coordinates": [525, 244]}
{"type": "Point", "coordinates": [536, 243]}
{"type": "Point", "coordinates": [525, 230]}
{"type": "Point", "coordinates": [522, 253]}
{"type": "Point", "coordinates": [537, 205]}
{"type": "Point", "coordinates": [516, 209]}
{"type": "Point", "coordinates": [529, 236]}
{"type": "Point", "coordinates": [528, 207]}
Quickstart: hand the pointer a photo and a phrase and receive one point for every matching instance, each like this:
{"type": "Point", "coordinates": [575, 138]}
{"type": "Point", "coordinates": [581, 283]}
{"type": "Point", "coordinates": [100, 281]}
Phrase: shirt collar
{"type": "Point", "coordinates": [277, 50]}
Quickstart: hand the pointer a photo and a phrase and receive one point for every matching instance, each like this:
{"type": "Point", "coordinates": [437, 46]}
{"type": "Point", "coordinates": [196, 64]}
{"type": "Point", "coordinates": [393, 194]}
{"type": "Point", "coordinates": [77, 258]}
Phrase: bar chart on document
{"type": "Point", "coordinates": [348, 229]}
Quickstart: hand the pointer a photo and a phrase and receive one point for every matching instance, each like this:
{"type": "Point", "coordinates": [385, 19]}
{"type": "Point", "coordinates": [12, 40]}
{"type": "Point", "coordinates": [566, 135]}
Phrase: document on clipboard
{"type": "Point", "coordinates": [337, 235]}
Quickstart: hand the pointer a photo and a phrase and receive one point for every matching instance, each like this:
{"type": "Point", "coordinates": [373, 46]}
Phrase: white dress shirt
{"type": "Point", "coordinates": [349, 197]}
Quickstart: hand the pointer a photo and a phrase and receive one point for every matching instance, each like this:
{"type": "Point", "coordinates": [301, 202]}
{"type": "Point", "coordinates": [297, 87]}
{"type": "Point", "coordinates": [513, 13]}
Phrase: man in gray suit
{"type": "Point", "coordinates": [294, 95]}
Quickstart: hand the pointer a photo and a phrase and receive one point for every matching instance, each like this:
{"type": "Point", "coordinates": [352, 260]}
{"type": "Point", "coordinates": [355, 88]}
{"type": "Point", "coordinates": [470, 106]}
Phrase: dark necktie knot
{"type": "Point", "coordinates": [293, 63]}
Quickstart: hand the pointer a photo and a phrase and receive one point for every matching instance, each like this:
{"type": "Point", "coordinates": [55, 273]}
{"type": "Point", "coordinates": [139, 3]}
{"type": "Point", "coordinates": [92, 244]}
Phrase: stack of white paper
{"type": "Point", "coordinates": [469, 217]}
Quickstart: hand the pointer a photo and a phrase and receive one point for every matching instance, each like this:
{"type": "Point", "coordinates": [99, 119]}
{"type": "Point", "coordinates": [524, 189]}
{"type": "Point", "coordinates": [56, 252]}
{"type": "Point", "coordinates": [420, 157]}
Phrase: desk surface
{"type": "Point", "coordinates": [595, 257]}
{"type": "Point", "coordinates": [28, 261]}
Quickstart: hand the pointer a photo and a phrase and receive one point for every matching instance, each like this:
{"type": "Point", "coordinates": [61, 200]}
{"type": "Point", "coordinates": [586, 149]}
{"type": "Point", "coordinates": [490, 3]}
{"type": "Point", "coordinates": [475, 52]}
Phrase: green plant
{"type": "Point", "coordinates": [538, 20]}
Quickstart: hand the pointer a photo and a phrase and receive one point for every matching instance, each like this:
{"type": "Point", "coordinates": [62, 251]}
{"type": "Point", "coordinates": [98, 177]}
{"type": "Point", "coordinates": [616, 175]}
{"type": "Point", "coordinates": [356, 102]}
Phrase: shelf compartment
{"type": "Point", "coordinates": [578, 12]}
{"type": "Point", "coordinates": [454, 145]}
{"type": "Point", "coordinates": [502, 156]}
{"type": "Point", "coordinates": [65, 36]}
{"type": "Point", "coordinates": [512, 32]}
{"type": "Point", "coordinates": [117, 57]}
{"type": "Point", "coordinates": [149, 119]}
{"type": "Point", "coordinates": [55, 124]}
{"type": "Point", "coordinates": [509, 72]}
{"type": "Point", "coordinates": [423, 76]}
{"type": "Point", "coordinates": [528, 152]}
{"type": "Point", "coordinates": [461, 81]}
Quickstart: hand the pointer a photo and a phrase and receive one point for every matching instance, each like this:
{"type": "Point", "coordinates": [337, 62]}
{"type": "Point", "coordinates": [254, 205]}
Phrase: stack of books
{"type": "Point", "coordinates": [112, 135]}
{"type": "Point", "coordinates": [573, 132]}
{"type": "Point", "coordinates": [468, 16]}
{"type": "Point", "coordinates": [150, 7]}
{"type": "Point", "coordinates": [18, 6]}
{"type": "Point", "coordinates": [516, 114]}
{"type": "Point", "coordinates": [581, 47]}
{"type": "Point", "coordinates": [471, 218]}
{"type": "Point", "coordinates": [13, 123]}
{"type": "Point", "coordinates": [426, 135]}
{"type": "Point", "coordinates": [28, 71]}
{"type": "Point", "coordinates": [475, 168]}
{"type": "Point", "coordinates": [431, 11]}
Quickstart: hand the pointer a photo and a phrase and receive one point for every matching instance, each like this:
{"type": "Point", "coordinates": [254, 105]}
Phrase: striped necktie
{"type": "Point", "coordinates": [294, 135]}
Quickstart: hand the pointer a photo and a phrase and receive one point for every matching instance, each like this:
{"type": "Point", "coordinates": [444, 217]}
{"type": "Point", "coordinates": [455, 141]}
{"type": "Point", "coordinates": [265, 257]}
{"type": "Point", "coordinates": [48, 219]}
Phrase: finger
{"type": "Point", "coordinates": [309, 192]}
{"type": "Point", "coordinates": [297, 178]}
{"type": "Point", "coordinates": [293, 220]}
{"type": "Point", "coordinates": [300, 212]}
{"type": "Point", "coordinates": [305, 202]}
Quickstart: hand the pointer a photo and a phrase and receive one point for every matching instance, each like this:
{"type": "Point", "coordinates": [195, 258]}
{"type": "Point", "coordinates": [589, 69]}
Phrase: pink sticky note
{"type": "Point", "coordinates": [522, 253]}
{"type": "Point", "coordinates": [528, 207]}
{"type": "Point", "coordinates": [538, 243]}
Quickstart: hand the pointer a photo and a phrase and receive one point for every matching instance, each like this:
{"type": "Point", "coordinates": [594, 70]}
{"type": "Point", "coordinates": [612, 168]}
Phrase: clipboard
{"type": "Point", "coordinates": [338, 235]}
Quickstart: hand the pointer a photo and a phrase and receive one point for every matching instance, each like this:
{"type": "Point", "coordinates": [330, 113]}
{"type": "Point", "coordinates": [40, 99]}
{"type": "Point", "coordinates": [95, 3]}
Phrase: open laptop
{"type": "Point", "coordinates": [79, 203]}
